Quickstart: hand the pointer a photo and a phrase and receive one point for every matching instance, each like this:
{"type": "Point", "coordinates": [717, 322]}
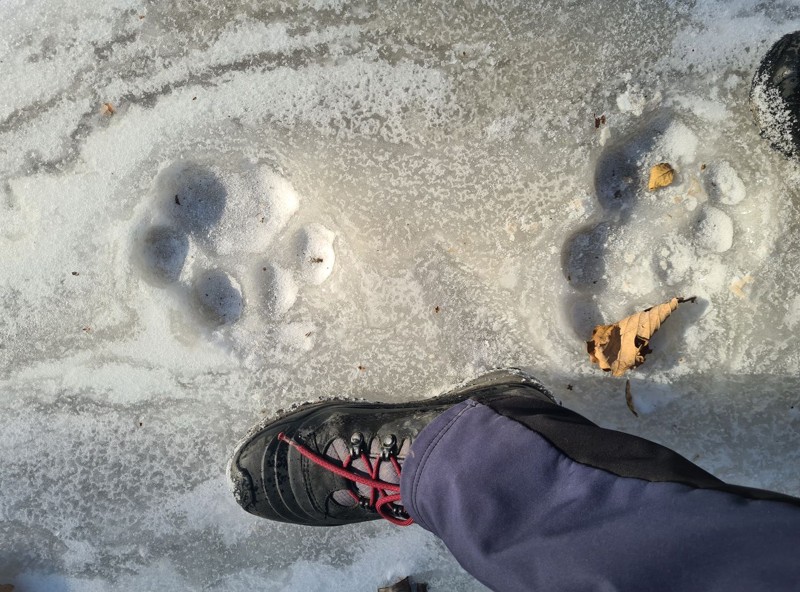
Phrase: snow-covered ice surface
{"type": "Point", "coordinates": [332, 197]}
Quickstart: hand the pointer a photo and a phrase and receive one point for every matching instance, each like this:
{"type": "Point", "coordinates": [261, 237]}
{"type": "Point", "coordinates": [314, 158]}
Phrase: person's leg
{"type": "Point", "coordinates": [530, 496]}
{"type": "Point", "coordinates": [526, 494]}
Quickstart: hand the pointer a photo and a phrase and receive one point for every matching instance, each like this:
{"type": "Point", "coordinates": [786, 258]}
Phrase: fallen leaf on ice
{"type": "Point", "coordinates": [107, 109]}
{"type": "Point", "coordinates": [661, 175]}
{"type": "Point", "coordinates": [619, 347]}
{"type": "Point", "coordinates": [737, 285]}
{"type": "Point", "coordinates": [629, 398]}
{"type": "Point", "coordinates": [695, 188]}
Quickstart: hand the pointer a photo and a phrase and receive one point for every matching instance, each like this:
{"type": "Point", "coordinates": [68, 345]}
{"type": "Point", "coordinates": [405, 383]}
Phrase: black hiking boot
{"type": "Point", "coordinates": [775, 95]}
{"type": "Point", "coordinates": [339, 462]}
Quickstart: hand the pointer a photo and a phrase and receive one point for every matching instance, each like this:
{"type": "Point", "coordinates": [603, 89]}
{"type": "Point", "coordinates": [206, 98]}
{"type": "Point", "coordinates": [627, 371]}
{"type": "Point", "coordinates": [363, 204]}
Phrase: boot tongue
{"type": "Point", "coordinates": [340, 450]}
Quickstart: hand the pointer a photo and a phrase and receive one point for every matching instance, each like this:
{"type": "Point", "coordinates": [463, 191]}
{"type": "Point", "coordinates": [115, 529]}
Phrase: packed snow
{"type": "Point", "coordinates": [310, 198]}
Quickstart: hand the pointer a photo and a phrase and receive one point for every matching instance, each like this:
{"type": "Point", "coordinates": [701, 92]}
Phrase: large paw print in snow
{"type": "Point", "coordinates": [647, 246]}
{"type": "Point", "coordinates": [216, 237]}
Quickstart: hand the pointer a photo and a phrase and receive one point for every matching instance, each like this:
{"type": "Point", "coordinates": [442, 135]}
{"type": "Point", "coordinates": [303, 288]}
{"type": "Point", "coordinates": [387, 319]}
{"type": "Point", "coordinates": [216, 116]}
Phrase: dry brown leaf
{"type": "Point", "coordinates": [661, 175]}
{"type": "Point", "coordinates": [619, 347]}
{"type": "Point", "coordinates": [107, 109]}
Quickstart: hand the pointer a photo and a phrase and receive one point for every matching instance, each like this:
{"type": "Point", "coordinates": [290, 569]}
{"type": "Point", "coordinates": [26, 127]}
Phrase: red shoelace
{"type": "Point", "coordinates": [382, 494]}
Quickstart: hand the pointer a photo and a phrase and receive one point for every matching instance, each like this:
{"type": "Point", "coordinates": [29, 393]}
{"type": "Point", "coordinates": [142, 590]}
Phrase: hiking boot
{"type": "Point", "coordinates": [339, 462]}
{"type": "Point", "coordinates": [775, 95]}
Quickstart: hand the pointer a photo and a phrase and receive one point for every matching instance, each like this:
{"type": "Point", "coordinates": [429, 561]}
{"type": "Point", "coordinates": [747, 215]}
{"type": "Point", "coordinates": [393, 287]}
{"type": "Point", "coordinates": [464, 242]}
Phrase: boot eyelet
{"type": "Point", "coordinates": [356, 444]}
{"type": "Point", "coordinates": [388, 446]}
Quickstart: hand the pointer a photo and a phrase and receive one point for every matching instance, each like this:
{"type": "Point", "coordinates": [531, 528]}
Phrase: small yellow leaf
{"type": "Point", "coordinates": [619, 347]}
{"type": "Point", "coordinates": [661, 175]}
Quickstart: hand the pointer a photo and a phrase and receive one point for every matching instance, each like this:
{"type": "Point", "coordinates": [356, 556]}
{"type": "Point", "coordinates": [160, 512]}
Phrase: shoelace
{"type": "Point", "coordinates": [379, 498]}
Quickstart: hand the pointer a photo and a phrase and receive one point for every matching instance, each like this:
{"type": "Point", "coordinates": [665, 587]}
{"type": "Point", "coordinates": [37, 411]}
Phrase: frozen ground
{"type": "Point", "coordinates": [324, 197]}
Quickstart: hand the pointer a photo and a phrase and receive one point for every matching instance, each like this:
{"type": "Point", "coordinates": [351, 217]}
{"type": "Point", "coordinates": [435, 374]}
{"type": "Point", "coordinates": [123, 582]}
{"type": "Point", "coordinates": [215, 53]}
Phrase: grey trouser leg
{"type": "Point", "coordinates": [530, 496]}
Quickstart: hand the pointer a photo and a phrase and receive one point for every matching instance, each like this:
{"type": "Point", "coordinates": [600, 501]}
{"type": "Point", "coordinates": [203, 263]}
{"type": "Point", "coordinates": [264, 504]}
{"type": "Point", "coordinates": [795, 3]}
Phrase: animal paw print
{"type": "Point", "coordinates": [647, 246]}
{"type": "Point", "coordinates": [215, 237]}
